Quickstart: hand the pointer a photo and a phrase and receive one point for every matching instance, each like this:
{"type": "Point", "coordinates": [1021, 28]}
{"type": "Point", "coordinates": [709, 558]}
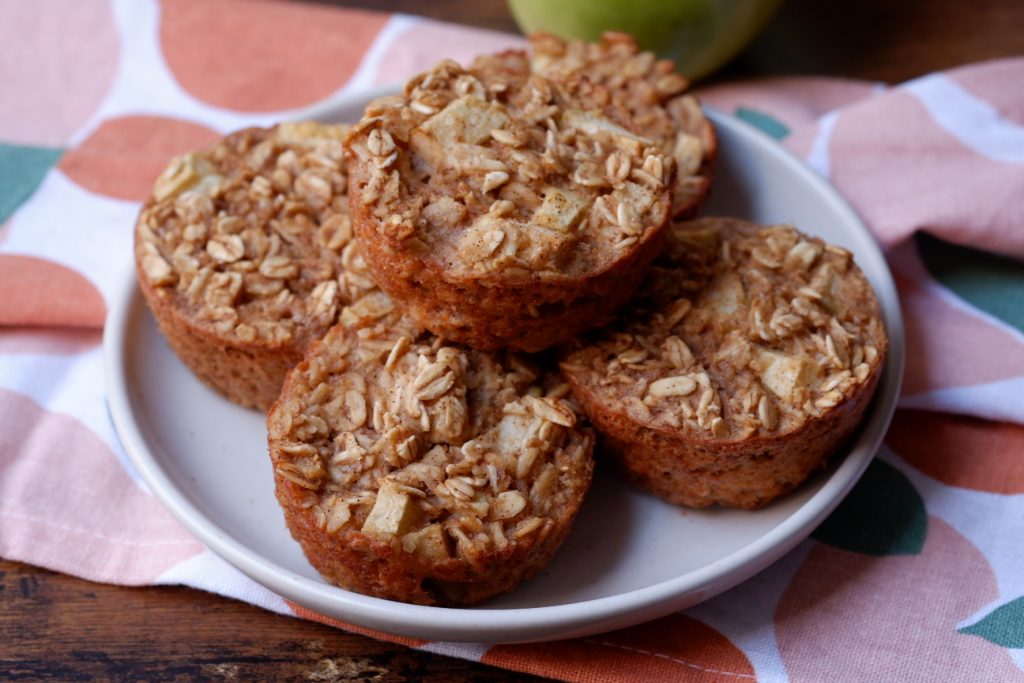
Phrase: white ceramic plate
{"type": "Point", "coordinates": [630, 557]}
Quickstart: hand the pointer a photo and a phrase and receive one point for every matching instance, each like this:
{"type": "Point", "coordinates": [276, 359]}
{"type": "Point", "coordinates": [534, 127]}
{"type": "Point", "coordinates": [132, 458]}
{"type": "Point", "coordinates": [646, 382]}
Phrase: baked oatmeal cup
{"type": "Point", "coordinates": [412, 469]}
{"type": "Point", "coordinates": [749, 357]}
{"type": "Point", "coordinates": [245, 255]}
{"type": "Point", "coordinates": [499, 211]}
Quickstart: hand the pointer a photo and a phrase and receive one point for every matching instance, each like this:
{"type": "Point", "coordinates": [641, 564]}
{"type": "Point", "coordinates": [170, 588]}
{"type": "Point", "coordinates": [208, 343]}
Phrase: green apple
{"type": "Point", "coordinates": [699, 35]}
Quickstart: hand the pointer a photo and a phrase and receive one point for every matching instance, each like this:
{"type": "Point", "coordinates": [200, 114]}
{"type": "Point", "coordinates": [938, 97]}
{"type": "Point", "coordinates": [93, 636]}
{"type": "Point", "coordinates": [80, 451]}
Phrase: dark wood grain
{"type": "Point", "coordinates": [882, 40]}
{"type": "Point", "coordinates": [55, 627]}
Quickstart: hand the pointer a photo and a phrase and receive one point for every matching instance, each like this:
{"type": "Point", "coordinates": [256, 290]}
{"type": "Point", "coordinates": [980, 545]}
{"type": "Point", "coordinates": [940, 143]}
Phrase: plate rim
{"type": "Point", "coordinates": [525, 624]}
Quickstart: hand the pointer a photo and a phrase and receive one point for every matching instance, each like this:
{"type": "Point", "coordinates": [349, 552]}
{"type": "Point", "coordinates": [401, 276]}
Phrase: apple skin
{"type": "Point", "coordinates": [699, 35]}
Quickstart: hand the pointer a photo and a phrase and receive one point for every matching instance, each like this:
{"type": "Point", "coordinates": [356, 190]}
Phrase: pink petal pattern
{"type": "Point", "coordinates": [937, 333]}
{"type": "Point", "coordinates": [912, 175]}
{"type": "Point", "coordinates": [55, 342]}
{"type": "Point", "coordinates": [57, 61]}
{"type": "Point", "coordinates": [852, 617]}
{"type": "Point", "coordinates": [797, 102]}
{"type": "Point", "coordinates": [988, 82]}
{"type": "Point", "coordinates": [427, 42]}
{"type": "Point", "coordinates": [66, 504]}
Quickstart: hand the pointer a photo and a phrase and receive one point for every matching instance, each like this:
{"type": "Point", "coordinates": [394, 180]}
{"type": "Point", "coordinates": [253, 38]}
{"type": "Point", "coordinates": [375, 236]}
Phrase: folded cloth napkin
{"type": "Point", "coordinates": [918, 576]}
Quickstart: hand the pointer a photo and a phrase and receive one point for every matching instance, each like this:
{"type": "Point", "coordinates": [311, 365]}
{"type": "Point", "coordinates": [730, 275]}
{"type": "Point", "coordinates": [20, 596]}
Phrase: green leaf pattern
{"type": "Point", "coordinates": [993, 283]}
{"type": "Point", "coordinates": [1003, 626]}
{"type": "Point", "coordinates": [763, 122]}
{"type": "Point", "coordinates": [883, 515]}
{"type": "Point", "coordinates": [22, 168]}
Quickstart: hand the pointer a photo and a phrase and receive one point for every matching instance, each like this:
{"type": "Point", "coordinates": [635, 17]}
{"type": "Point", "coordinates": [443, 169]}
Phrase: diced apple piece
{"type": "Point", "coordinates": [686, 240]}
{"type": "Point", "coordinates": [725, 294]}
{"type": "Point", "coordinates": [429, 543]}
{"type": "Point", "coordinates": [637, 196]}
{"type": "Point", "coordinates": [784, 375]}
{"type": "Point", "coordinates": [207, 185]}
{"type": "Point", "coordinates": [483, 238]}
{"type": "Point", "coordinates": [393, 512]}
{"type": "Point", "coordinates": [307, 133]}
{"type": "Point", "coordinates": [734, 349]}
{"type": "Point", "coordinates": [513, 431]}
{"type": "Point", "coordinates": [542, 246]}
{"type": "Point", "coordinates": [444, 212]}
{"type": "Point", "coordinates": [430, 152]}
{"type": "Point", "coordinates": [466, 119]}
{"type": "Point", "coordinates": [472, 159]}
{"type": "Point", "coordinates": [465, 124]}
{"type": "Point", "coordinates": [433, 154]}
{"type": "Point", "coordinates": [703, 237]}
{"type": "Point", "coordinates": [829, 286]}
{"type": "Point", "coordinates": [802, 255]}
{"type": "Point", "coordinates": [338, 514]}
{"type": "Point", "coordinates": [560, 209]}
{"type": "Point", "coordinates": [182, 173]}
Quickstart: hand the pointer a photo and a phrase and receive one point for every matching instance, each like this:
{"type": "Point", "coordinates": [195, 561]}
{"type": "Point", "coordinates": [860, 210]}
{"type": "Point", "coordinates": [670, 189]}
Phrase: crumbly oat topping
{"type": "Point", "coordinates": [253, 234]}
{"type": "Point", "coordinates": [494, 169]}
{"type": "Point", "coordinates": [445, 452]}
{"type": "Point", "coordinates": [740, 330]}
{"type": "Point", "coordinates": [639, 91]}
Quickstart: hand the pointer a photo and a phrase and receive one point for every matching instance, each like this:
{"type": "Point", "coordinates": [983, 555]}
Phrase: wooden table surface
{"type": "Point", "coordinates": [61, 628]}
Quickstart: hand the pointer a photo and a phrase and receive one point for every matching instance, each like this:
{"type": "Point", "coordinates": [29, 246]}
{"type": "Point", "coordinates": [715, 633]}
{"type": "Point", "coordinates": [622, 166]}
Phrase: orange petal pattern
{"type": "Point", "coordinates": [124, 156]}
{"type": "Point", "coordinates": [936, 331]}
{"type": "Point", "coordinates": [961, 451]}
{"type": "Point", "coordinates": [673, 648]}
{"type": "Point", "coordinates": [281, 56]}
{"type": "Point", "coordinates": [41, 292]}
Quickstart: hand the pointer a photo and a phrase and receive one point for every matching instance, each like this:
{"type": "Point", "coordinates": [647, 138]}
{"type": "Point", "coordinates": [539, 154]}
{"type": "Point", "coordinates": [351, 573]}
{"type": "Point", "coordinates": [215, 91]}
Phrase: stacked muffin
{"type": "Point", "coordinates": [431, 264]}
{"type": "Point", "coordinates": [499, 210]}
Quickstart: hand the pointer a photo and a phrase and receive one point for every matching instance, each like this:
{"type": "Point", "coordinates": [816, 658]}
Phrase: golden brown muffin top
{"type": "Point", "coordinates": [252, 236]}
{"type": "Point", "coordinates": [445, 452]}
{"type": "Point", "coordinates": [493, 171]}
{"type": "Point", "coordinates": [641, 92]}
{"type": "Point", "coordinates": [740, 330]}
